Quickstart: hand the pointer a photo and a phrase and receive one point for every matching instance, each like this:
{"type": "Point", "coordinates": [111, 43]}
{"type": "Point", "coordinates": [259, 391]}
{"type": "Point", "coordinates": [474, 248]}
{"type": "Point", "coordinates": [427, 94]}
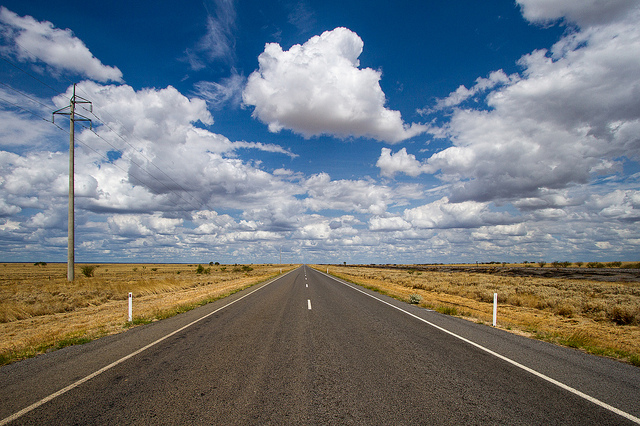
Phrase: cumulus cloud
{"type": "Point", "coordinates": [572, 115]}
{"type": "Point", "coordinates": [30, 40]}
{"type": "Point", "coordinates": [360, 196]}
{"type": "Point", "coordinates": [394, 223]}
{"type": "Point", "coordinates": [318, 88]}
{"type": "Point", "coordinates": [400, 162]}
{"type": "Point", "coordinates": [442, 214]}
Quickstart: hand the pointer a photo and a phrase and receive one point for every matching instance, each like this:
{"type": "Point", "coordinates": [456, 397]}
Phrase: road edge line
{"type": "Point", "coordinates": [85, 379]}
{"type": "Point", "coordinates": [499, 356]}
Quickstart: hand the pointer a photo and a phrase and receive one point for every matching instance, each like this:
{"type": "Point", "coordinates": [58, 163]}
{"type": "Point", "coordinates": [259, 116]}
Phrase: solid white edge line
{"type": "Point", "coordinates": [502, 357]}
{"type": "Point", "coordinates": [35, 405]}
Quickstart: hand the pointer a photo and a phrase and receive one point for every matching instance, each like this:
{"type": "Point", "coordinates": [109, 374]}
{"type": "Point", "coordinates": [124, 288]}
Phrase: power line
{"type": "Point", "coordinates": [134, 148]}
{"type": "Point", "coordinates": [102, 138]}
{"type": "Point", "coordinates": [25, 95]}
{"type": "Point", "coordinates": [30, 75]}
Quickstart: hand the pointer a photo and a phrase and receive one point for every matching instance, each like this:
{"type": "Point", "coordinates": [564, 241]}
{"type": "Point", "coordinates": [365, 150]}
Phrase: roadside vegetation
{"type": "Point", "coordinates": [40, 310]}
{"type": "Point", "coordinates": [601, 317]}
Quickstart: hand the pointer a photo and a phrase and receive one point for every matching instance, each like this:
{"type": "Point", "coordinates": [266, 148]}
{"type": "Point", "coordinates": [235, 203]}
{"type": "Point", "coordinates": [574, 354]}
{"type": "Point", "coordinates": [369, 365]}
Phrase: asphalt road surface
{"type": "Point", "coordinates": [309, 349]}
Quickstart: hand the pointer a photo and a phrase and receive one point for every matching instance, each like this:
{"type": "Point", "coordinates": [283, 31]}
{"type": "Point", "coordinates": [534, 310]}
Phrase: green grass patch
{"type": "Point", "coordinates": [447, 310]}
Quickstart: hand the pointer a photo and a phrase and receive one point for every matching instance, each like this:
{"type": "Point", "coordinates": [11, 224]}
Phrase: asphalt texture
{"type": "Point", "coordinates": [309, 349]}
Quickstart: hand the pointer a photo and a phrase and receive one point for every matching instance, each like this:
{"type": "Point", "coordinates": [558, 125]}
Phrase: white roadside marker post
{"type": "Point", "coordinates": [495, 308]}
{"type": "Point", "coordinates": [130, 307]}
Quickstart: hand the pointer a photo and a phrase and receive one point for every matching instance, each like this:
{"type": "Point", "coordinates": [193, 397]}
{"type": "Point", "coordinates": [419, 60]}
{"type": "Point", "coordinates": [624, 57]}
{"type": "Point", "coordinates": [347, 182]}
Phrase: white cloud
{"type": "Point", "coordinates": [218, 43]}
{"type": "Point", "coordinates": [360, 196]}
{"type": "Point", "coordinates": [394, 223]}
{"type": "Point", "coordinates": [462, 93]}
{"type": "Point", "coordinates": [31, 40]}
{"type": "Point", "coordinates": [400, 162]}
{"type": "Point", "coordinates": [619, 204]}
{"type": "Point", "coordinates": [572, 115]}
{"type": "Point", "coordinates": [317, 88]}
{"type": "Point", "coordinates": [581, 12]}
{"type": "Point", "coordinates": [443, 214]}
{"type": "Point", "coordinates": [217, 95]}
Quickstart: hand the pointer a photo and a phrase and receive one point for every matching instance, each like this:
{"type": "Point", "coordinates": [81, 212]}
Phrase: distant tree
{"type": "Point", "coordinates": [542, 263]}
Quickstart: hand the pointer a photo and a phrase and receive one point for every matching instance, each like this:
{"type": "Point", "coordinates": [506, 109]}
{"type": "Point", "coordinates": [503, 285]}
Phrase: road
{"type": "Point", "coordinates": [309, 349]}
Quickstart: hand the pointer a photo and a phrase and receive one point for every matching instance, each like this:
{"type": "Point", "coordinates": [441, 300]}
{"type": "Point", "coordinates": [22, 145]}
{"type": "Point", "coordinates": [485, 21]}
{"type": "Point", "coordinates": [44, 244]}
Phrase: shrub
{"type": "Point", "coordinates": [247, 268]}
{"type": "Point", "coordinates": [542, 263]}
{"type": "Point", "coordinates": [595, 265]}
{"type": "Point", "coordinates": [614, 264]}
{"type": "Point", "coordinates": [623, 315]}
{"type": "Point", "coordinates": [565, 310]}
{"type": "Point", "coordinates": [87, 270]}
{"type": "Point", "coordinates": [414, 299]}
{"type": "Point", "coordinates": [39, 264]}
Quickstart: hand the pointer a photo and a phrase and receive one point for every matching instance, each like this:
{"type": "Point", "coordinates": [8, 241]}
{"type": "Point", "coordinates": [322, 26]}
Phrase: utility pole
{"type": "Point", "coordinates": [73, 117]}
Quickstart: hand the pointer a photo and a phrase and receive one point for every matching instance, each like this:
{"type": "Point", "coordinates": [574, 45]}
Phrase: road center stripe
{"type": "Point", "coordinates": [123, 359]}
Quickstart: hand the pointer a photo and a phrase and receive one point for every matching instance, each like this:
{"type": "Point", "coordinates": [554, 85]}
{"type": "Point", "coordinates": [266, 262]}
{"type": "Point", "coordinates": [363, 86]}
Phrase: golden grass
{"type": "Point", "coordinates": [40, 309]}
{"type": "Point", "coordinates": [600, 317]}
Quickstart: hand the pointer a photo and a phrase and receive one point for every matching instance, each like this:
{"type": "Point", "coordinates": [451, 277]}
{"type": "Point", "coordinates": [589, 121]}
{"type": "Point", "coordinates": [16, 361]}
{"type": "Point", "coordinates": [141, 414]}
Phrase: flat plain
{"type": "Point", "coordinates": [592, 309]}
{"type": "Point", "coordinates": [40, 310]}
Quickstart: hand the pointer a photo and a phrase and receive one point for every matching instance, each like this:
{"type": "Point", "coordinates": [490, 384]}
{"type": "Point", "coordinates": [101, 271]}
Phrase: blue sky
{"type": "Point", "coordinates": [365, 132]}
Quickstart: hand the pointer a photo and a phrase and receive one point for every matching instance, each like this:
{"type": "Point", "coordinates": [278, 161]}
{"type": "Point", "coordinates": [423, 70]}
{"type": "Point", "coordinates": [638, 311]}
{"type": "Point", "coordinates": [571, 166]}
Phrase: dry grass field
{"type": "Point", "coordinates": [601, 317]}
{"type": "Point", "coordinates": [40, 310]}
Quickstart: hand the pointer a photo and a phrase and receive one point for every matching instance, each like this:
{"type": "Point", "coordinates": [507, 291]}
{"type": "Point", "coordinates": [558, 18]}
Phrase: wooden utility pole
{"type": "Point", "coordinates": [73, 117]}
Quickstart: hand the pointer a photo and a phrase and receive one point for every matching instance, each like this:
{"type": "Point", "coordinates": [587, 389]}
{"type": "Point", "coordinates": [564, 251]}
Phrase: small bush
{"type": "Point", "coordinates": [623, 315]}
{"type": "Point", "coordinates": [247, 268]}
{"type": "Point", "coordinates": [202, 270]}
{"type": "Point", "coordinates": [87, 270]}
{"type": "Point", "coordinates": [542, 263]}
{"type": "Point", "coordinates": [565, 310]}
{"type": "Point", "coordinates": [414, 299]}
{"type": "Point", "coordinates": [38, 264]}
